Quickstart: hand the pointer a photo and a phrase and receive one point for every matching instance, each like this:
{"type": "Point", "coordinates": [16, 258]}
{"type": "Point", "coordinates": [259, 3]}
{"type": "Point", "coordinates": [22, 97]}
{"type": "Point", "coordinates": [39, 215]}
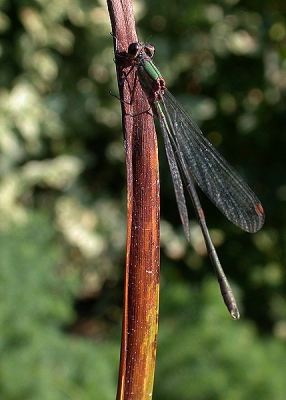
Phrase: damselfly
{"type": "Point", "coordinates": [192, 156]}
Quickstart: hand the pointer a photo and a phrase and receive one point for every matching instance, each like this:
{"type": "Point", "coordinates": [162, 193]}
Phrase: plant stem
{"type": "Point", "coordinates": [141, 298]}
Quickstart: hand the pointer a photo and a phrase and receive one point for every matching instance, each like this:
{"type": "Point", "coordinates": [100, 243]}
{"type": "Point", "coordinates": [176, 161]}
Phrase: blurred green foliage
{"type": "Point", "coordinates": [38, 360]}
{"type": "Point", "coordinates": [62, 200]}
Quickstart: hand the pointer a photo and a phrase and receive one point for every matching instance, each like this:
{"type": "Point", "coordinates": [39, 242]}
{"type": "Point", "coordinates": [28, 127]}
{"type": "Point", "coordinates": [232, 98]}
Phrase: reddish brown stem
{"type": "Point", "coordinates": [141, 298]}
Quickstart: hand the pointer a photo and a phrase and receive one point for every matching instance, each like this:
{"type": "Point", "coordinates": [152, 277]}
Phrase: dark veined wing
{"type": "Point", "coordinates": [218, 180]}
{"type": "Point", "coordinates": [175, 173]}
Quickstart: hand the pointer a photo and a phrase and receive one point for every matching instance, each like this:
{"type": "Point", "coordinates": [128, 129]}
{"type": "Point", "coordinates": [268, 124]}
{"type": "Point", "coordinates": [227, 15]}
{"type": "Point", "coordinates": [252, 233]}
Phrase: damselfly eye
{"type": "Point", "coordinates": [149, 50]}
{"type": "Point", "coordinates": [133, 50]}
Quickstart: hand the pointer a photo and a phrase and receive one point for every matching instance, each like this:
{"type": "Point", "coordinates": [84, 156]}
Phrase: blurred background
{"type": "Point", "coordinates": [63, 207]}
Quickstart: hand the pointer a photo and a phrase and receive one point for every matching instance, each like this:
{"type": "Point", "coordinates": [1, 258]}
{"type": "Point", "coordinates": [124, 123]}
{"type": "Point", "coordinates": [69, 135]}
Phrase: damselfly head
{"type": "Point", "coordinates": [137, 49]}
